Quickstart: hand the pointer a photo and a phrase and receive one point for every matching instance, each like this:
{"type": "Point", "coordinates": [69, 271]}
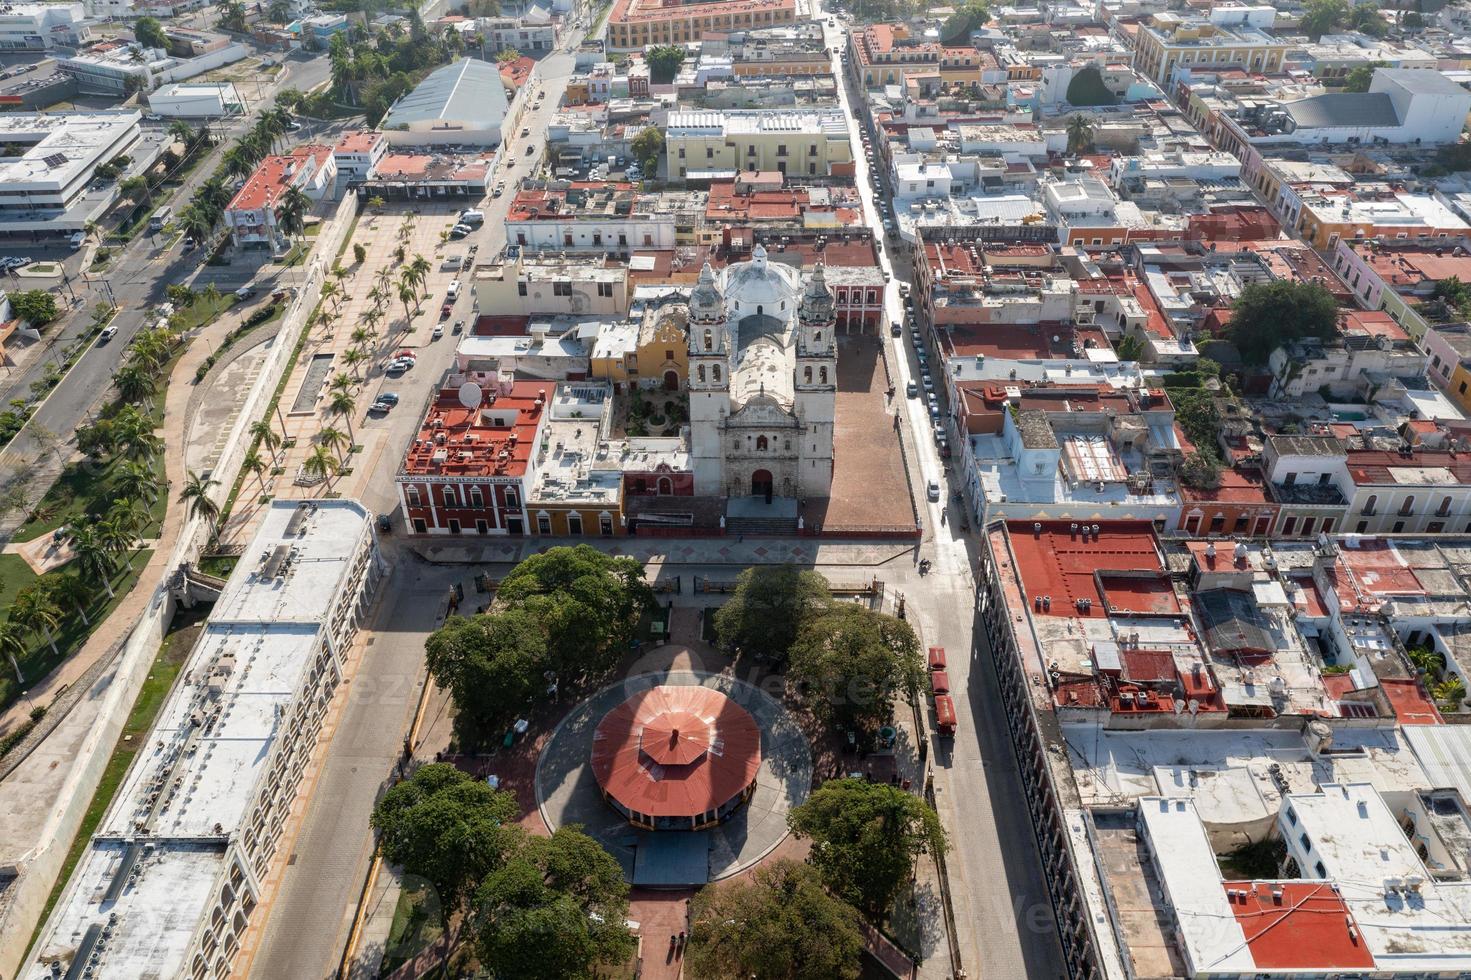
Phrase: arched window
{"type": "Point", "coordinates": [807, 374]}
{"type": "Point", "coordinates": [760, 443]}
{"type": "Point", "coordinates": [760, 309]}
{"type": "Point", "coordinates": [701, 374]}
{"type": "Point", "coordinates": [817, 337]}
{"type": "Point", "coordinates": [709, 341]}
{"type": "Point", "coordinates": [823, 375]}
{"type": "Point", "coordinates": [716, 369]}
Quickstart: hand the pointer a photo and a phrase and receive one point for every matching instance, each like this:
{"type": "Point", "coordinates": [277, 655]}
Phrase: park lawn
{"type": "Point", "coordinates": [166, 666]}
{"type": "Point", "coordinates": [84, 489]}
{"type": "Point", "coordinates": [15, 575]}
{"type": "Point", "coordinates": [414, 927]}
{"type": "Point", "coordinates": [39, 659]}
{"type": "Point", "coordinates": [202, 311]}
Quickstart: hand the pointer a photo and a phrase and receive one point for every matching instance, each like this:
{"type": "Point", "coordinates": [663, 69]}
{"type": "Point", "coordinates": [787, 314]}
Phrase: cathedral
{"type": "Point", "coordinates": [762, 380]}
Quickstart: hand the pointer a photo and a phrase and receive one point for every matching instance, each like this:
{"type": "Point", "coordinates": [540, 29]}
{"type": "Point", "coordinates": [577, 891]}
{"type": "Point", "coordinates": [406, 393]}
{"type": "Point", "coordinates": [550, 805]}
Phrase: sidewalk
{"type": "Point", "coordinates": [731, 551]}
{"type": "Point", "coordinates": [118, 625]}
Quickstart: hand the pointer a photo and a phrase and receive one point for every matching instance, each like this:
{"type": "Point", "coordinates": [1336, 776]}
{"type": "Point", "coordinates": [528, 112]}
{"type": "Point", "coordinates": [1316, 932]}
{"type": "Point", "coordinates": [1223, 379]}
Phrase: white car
{"type": "Point", "coordinates": [933, 490]}
{"type": "Point", "coordinates": [108, 332]}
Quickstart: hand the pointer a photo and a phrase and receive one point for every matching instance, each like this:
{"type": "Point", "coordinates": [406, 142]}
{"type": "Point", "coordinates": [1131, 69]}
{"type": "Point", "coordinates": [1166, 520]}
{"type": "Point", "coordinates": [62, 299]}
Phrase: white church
{"type": "Point", "coordinates": [763, 368]}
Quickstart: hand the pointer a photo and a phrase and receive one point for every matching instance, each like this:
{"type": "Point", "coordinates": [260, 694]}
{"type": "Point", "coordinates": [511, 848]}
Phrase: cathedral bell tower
{"type": "Point", "coordinates": [709, 380]}
{"type": "Point", "coordinates": [816, 384]}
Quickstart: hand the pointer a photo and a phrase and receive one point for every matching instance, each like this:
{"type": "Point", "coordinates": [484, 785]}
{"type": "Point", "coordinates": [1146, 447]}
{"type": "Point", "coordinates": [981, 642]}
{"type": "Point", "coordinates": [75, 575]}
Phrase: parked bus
{"type": "Point", "coordinates": [159, 218]}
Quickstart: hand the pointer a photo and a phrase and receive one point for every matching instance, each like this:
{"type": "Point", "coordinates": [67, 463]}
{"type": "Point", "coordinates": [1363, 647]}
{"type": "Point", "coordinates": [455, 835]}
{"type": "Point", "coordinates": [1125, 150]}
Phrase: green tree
{"type": "Point", "coordinates": [1366, 19]}
{"type": "Point", "coordinates": [1322, 16]}
{"type": "Point", "coordinates": [664, 61]}
{"type": "Point", "coordinates": [196, 494]}
{"type": "Point", "coordinates": [13, 642]}
{"type": "Point", "coordinates": [292, 211]}
{"type": "Point", "coordinates": [447, 827]}
{"type": "Point", "coordinates": [768, 608]}
{"type": "Point", "coordinates": [1360, 78]}
{"type": "Point", "coordinates": [135, 188]}
{"type": "Point", "coordinates": [493, 665]}
{"type": "Point", "coordinates": [1087, 88]}
{"type": "Point", "coordinates": [36, 306]}
{"type": "Point", "coordinates": [866, 838]}
{"type": "Point", "coordinates": [359, 252]}
{"type": "Point", "coordinates": [555, 910]}
{"type": "Point", "coordinates": [36, 612]}
{"type": "Point", "coordinates": [263, 432]}
{"type": "Point", "coordinates": [342, 404]}
{"type": "Point", "coordinates": [1200, 471]}
{"type": "Point", "coordinates": [1195, 410]}
{"type": "Point", "coordinates": [589, 603]}
{"type": "Point", "coordinates": [91, 555]}
{"type": "Point", "coordinates": [850, 660]}
{"type": "Point", "coordinates": [279, 11]}
{"type": "Point", "coordinates": [968, 18]}
{"type": "Point", "coordinates": [322, 465]}
{"type": "Point", "coordinates": [136, 480]}
{"type": "Point", "coordinates": [135, 384]}
{"type": "Point", "coordinates": [1079, 134]}
{"type": "Point", "coordinates": [779, 923]}
{"type": "Point", "coordinates": [1453, 293]}
{"type": "Point", "coordinates": [1268, 315]}
{"type": "Point", "coordinates": [507, 55]}
{"type": "Point", "coordinates": [647, 147]}
{"type": "Point", "coordinates": [149, 33]}
{"type": "Point", "coordinates": [1129, 348]}
{"type": "Point", "coordinates": [1413, 21]}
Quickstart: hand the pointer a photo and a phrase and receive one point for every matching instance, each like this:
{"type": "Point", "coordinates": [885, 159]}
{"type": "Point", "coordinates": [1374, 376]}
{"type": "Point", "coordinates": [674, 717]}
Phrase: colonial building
{"type": "Point", "coordinates": [762, 380]}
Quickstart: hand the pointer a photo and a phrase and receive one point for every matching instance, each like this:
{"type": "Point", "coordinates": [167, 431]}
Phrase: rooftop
{"type": "Point", "coordinates": [466, 94]}
{"type": "Point", "coordinates": [53, 149]}
{"type": "Point", "coordinates": [493, 439]}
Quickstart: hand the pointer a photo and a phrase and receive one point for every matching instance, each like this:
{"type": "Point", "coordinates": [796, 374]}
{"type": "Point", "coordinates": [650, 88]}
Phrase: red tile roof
{"type": "Point", "coordinates": [456, 441]}
{"type": "Point", "coordinates": [1058, 563]}
{"type": "Point", "coordinates": [1410, 704]}
{"type": "Point", "coordinates": [277, 173]}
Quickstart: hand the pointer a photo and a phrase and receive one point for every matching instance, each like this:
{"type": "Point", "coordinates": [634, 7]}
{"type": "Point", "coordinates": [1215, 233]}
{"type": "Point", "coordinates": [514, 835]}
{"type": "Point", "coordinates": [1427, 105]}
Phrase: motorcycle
{"type": "Point", "coordinates": [924, 566]}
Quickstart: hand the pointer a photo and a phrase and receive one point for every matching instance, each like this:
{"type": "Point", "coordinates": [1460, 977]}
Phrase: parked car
{"type": "Point", "coordinates": [437, 332]}
{"type": "Point", "coordinates": [245, 292]}
{"type": "Point", "coordinates": [399, 365]}
{"type": "Point", "coordinates": [912, 390]}
{"type": "Point", "coordinates": [896, 328]}
{"type": "Point", "coordinates": [108, 332]}
{"type": "Point", "coordinates": [446, 310]}
{"type": "Point", "coordinates": [408, 352]}
{"type": "Point", "coordinates": [459, 326]}
{"type": "Point", "coordinates": [189, 244]}
{"type": "Point", "coordinates": [530, 150]}
{"type": "Point", "coordinates": [388, 397]}
{"type": "Point", "coordinates": [932, 490]}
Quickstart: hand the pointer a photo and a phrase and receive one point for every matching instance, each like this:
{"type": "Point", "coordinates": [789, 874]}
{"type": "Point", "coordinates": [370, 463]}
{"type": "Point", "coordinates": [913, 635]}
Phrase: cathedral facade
{"type": "Point", "coordinates": [762, 380]}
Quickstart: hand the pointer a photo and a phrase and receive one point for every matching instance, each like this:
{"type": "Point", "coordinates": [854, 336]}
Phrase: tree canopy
{"type": "Point", "coordinates": [851, 660]}
{"type": "Point", "coordinates": [646, 147]}
{"type": "Point", "coordinates": [664, 61]}
{"type": "Point", "coordinates": [492, 665]}
{"type": "Point", "coordinates": [1267, 315]}
{"type": "Point", "coordinates": [769, 606]}
{"type": "Point", "coordinates": [1359, 79]}
{"type": "Point", "coordinates": [555, 909]}
{"type": "Point", "coordinates": [589, 603]}
{"type": "Point", "coordinates": [149, 33]}
{"type": "Point", "coordinates": [780, 923]}
{"type": "Point", "coordinates": [1325, 16]}
{"type": "Point", "coordinates": [967, 18]}
{"type": "Point", "coordinates": [1087, 88]}
{"type": "Point", "coordinates": [35, 306]}
{"type": "Point", "coordinates": [447, 827]}
{"type": "Point", "coordinates": [866, 838]}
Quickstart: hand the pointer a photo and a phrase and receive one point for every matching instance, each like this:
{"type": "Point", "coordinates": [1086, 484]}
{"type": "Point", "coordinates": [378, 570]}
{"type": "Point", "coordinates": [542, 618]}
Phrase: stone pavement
{"type": "Point", "coordinates": [670, 551]}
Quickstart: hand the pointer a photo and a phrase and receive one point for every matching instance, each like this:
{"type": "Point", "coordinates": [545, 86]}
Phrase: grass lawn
{"type": "Point", "coordinates": [39, 660]}
{"type": "Point", "coordinates": [84, 490]}
{"type": "Point", "coordinates": [171, 655]}
{"type": "Point", "coordinates": [415, 925]}
{"type": "Point", "coordinates": [202, 311]}
{"type": "Point", "coordinates": [15, 575]}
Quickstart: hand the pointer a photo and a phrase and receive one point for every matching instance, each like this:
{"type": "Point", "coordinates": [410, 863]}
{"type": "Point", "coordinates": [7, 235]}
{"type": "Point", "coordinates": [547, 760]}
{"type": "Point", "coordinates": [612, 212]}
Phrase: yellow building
{"type": "Point", "coordinates": [888, 54]}
{"type": "Point", "coordinates": [649, 350]}
{"type": "Point", "coordinates": [799, 142]}
{"type": "Point", "coordinates": [1169, 40]}
{"type": "Point", "coordinates": [636, 24]}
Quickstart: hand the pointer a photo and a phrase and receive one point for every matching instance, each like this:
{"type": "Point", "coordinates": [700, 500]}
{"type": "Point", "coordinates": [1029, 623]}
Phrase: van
{"type": "Point", "coordinates": [159, 218]}
{"type": "Point", "coordinates": [76, 240]}
{"type": "Point", "coordinates": [453, 293]}
{"type": "Point", "coordinates": [472, 218]}
{"type": "Point", "coordinates": [452, 263]}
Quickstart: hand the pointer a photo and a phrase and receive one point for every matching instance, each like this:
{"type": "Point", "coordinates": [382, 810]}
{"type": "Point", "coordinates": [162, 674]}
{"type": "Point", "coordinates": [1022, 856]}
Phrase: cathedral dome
{"type": "Point", "coordinates": [763, 285]}
{"type": "Point", "coordinates": [817, 301]}
{"type": "Point", "coordinates": [706, 303]}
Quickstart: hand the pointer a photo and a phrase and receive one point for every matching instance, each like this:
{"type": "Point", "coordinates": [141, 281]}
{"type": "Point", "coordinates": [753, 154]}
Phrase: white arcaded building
{"type": "Point", "coordinates": [170, 880]}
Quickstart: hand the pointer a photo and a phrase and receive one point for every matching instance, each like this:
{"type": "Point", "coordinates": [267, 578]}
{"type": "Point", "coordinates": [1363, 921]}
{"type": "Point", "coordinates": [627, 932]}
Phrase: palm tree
{"type": "Point", "coordinates": [91, 555]}
{"type": "Point", "coordinates": [419, 270]}
{"type": "Point", "coordinates": [141, 445]}
{"type": "Point", "coordinates": [116, 532]}
{"type": "Point", "coordinates": [72, 589]}
{"type": "Point", "coordinates": [196, 222]}
{"type": "Point", "coordinates": [1427, 661]}
{"type": "Point", "coordinates": [354, 358]}
{"type": "Point", "coordinates": [33, 610]}
{"type": "Point", "coordinates": [361, 335]}
{"type": "Point", "coordinates": [252, 463]}
{"type": "Point", "coordinates": [408, 297]}
{"type": "Point", "coordinates": [134, 384]}
{"type": "Point", "coordinates": [13, 642]}
{"type": "Point", "coordinates": [214, 193]}
{"type": "Point", "coordinates": [340, 382]}
{"type": "Point", "coordinates": [266, 436]}
{"type": "Point", "coordinates": [211, 295]}
{"type": "Point", "coordinates": [136, 480]}
{"type": "Point", "coordinates": [1079, 133]}
{"type": "Point", "coordinates": [292, 211]}
{"type": "Point", "coordinates": [331, 291]}
{"type": "Point", "coordinates": [384, 278]}
{"type": "Point", "coordinates": [182, 132]}
{"type": "Point", "coordinates": [196, 495]}
{"type": "Point", "coordinates": [322, 465]}
{"type": "Point", "coordinates": [334, 439]}
{"type": "Point", "coordinates": [131, 515]}
{"type": "Point", "coordinates": [237, 162]}
{"type": "Point", "coordinates": [342, 404]}
{"type": "Point", "coordinates": [371, 317]}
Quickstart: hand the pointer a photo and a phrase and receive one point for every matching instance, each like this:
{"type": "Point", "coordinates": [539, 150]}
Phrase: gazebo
{"type": "Point", "coordinates": [676, 758]}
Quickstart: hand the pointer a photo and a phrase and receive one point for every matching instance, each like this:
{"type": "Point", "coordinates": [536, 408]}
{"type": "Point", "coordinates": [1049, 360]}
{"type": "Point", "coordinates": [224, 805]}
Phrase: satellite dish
{"type": "Point", "coordinates": [470, 394]}
{"type": "Point", "coordinates": [1178, 705]}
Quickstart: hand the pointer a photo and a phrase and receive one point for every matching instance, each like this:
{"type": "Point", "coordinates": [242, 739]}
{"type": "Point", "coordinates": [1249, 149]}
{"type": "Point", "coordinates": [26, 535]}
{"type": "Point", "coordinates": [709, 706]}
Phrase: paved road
{"type": "Point", "coordinates": [309, 920]}
{"type": "Point", "coordinates": [137, 282]}
{"type": "Point", "coordinates": [1005, 925]}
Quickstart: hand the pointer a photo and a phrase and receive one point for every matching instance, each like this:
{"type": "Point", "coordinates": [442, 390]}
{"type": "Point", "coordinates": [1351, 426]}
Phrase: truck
{"type": "Point", "coordinates": [159, 218]}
